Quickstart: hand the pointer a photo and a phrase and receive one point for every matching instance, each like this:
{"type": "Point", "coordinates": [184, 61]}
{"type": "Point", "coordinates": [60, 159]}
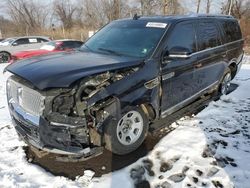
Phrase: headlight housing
{"type": "Point", "coordinates": [98, 79]}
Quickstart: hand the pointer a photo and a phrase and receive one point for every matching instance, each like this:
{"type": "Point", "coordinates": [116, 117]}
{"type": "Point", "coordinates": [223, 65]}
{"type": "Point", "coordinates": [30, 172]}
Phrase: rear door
{"type": "Point", "coordinates": [211, 64]}
{"type": "Point", "coordinates": [177, 73]}
{"type": "Point", "coordinates": [232, 39]}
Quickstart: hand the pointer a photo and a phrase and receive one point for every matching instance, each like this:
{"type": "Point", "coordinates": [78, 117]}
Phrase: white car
{"type": "Point", "coordinates": [13, 45]}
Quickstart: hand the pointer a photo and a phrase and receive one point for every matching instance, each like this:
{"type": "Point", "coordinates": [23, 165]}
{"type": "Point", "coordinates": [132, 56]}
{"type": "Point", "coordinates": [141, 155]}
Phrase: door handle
{"type": "Point", "coordinates": [198, 65]}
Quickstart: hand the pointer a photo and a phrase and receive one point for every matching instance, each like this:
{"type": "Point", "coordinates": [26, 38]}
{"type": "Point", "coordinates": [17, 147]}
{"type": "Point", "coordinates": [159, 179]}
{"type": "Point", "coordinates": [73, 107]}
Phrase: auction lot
{"type": "Point", "coordinates": [209, 149]}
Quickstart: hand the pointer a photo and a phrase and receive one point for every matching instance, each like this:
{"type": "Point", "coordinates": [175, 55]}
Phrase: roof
{"type": "Point", "coordinates": [63, 40]}
{"type": "Point", "coordinates": [172, 18]}
{"type": "Point", "coordinates": [45, 37]}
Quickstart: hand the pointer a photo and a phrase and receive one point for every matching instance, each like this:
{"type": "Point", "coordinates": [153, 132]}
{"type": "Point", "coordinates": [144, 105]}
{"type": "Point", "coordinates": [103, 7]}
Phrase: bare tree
{"type": "Point", "coordinates": [64, 10]}
{"type": "Point", "coordinates": [198, 6]}
{"type": "Point", "coordinates": [172, 7]}
{"type": "Point", "coordinates": [28, 15]}
{"type": "Point", "coordinates": [239, 8]}
{"type": "Point", "coordinates": [208, 6]}
{"type": "Point", "coordinates": [148, 6]}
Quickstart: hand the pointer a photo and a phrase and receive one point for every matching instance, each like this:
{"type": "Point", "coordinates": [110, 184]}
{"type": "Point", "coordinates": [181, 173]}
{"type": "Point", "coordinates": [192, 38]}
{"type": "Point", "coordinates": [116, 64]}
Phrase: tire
{"type": "Point", "coordinates": [225, 83]}
{"type": "Point", "coordinates": [126, 134]}
{"type": "Point", "coordinates": [4, 57]}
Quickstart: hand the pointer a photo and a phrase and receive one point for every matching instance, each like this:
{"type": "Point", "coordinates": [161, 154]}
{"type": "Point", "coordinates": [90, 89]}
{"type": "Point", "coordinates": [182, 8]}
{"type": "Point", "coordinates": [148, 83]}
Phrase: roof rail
{"type": "Point", "coordinates": [210, 15]}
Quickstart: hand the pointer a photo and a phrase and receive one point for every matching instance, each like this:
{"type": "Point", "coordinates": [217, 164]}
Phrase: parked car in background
{"type": "Point", "coordinates": [128, 77]}
{"type": "Point", "coordinates": [12, 45]}
{"type": "Point", "coordinates": [1, 40]}
{"type": "Point", "coordinates": [50, 47]}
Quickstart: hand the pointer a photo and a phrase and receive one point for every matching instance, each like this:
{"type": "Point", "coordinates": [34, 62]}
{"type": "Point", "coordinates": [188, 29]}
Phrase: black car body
{"type": "Point", "coordinates": [129, 75]}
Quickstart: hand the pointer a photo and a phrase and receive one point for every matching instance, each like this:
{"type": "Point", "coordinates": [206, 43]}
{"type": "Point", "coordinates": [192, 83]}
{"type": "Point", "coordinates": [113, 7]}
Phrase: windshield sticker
{"type": "Point", "coordinates": [33, 40]}
{"type": "Point", "coordinates": [156, 24]}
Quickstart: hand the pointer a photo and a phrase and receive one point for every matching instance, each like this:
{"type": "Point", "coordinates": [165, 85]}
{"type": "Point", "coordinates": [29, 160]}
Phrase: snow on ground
{"type": "Point", "coordinates": [211, 149]}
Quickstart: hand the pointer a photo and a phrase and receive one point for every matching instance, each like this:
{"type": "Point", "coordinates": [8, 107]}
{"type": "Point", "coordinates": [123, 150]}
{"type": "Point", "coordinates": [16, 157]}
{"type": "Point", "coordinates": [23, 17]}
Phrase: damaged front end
{"type": "Point", "coordinates": [65, 121]}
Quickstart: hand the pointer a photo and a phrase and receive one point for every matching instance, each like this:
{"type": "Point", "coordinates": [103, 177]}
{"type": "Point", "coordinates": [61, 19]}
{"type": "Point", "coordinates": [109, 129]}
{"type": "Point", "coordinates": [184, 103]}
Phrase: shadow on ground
{"type": "Point", "coordinates": [103, 164]}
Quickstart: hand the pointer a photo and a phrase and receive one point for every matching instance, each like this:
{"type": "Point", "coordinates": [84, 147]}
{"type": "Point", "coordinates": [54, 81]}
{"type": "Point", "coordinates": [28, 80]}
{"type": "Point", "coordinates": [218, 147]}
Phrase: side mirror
{"type": "Point", "coordinates": [179, 52]}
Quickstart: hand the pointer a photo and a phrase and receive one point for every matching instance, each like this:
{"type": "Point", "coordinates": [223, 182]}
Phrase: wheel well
{"type": "Point", "coordinates": [233, 68]}
{"type": "Point", "coordinates": [149, 111]}
{"type": "Point", "coordinates": [5, 52]}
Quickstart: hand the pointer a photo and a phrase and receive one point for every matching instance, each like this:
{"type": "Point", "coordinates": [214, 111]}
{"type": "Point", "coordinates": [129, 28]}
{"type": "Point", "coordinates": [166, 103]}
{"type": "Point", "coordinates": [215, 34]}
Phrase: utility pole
{"type": "Point", "coordinates": [230, 7]}
{"type": "Point", "coordinates": [198, 6]}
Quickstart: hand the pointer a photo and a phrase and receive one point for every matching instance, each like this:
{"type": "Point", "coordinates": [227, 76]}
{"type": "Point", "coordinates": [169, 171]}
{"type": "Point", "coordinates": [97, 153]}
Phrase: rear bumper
{"type": "Point", "coordinates": [38, 132]}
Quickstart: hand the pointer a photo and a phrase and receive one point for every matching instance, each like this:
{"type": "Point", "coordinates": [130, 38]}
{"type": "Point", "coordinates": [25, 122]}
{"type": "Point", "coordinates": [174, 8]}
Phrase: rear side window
{"type": "Point", "coordinates": [41, 40]}
{"type": "Point", "coordinates": [71, 44]}
{"type": "Point", "coordinates": [183, 35]}
{"type": "Point", "coordinates": [208, 35]}
{"type": "Point", "coordinates": [232, 31]}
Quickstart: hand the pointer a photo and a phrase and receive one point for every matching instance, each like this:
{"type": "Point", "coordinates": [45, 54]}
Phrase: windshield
{"type": "Point", "coordinates": [134, 38]}
{"type": "Point", "coordinates": [50, 46]}
{"type": "Point", "coordinates": [6, 42]}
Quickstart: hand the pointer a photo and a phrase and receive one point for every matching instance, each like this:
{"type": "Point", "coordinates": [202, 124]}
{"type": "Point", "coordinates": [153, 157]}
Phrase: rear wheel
{"type": "Point", "coordinates": [225, 83]}
{"type": "Point", "coordinates": [126, 134]}
{"type": "Point", "coordinates": [4, 57]}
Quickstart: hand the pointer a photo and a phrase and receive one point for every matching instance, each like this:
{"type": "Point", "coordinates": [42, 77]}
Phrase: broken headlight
{"type": "Point", "coordinates": [99, 79]}
{"type": "Point", "coordinates": [64, 103]}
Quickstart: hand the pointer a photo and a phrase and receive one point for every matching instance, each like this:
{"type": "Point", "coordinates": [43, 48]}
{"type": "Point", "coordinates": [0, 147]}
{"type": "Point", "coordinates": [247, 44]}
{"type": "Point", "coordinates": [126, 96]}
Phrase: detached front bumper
{"type": "Point", "coordinates": [58, 139]}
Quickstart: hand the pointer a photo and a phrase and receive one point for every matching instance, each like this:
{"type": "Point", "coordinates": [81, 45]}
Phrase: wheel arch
{"type": "Point", "coordinates": [233, 68]}
{"type": "Point", "coordinates": [3, 51]}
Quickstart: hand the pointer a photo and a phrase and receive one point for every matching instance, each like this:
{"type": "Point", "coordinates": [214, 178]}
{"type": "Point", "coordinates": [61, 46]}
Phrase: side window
{"type": "Point", "coordinates": [21, 41]}
{"type": "Point", "coordinates": [183, 35]}
{"type": "Point", "coordinates": [77, 44]}
{"type": "Point", "coordinates": [41, 40]}
{"type": "Point", "coordinates": [209, 36]}
{"type": "Point", "coordinates": [232, 31]}
{"type": "Point", "coordinates": [66, 45]}
{"type": "Point", "coordinates": [71, 44]}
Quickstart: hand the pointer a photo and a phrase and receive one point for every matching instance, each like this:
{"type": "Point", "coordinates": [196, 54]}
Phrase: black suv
{"type": "Point", "coordinates": [129, 75]}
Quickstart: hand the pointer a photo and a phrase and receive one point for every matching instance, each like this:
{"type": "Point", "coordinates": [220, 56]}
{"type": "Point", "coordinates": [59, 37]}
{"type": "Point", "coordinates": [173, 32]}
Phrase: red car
{"type": "Point", "coordinates": [50, 47]}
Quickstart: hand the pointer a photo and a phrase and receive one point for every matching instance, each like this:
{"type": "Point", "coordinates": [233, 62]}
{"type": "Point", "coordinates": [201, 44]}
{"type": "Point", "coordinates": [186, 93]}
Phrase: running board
{"type": "Point", "coordinates": [163, 125]}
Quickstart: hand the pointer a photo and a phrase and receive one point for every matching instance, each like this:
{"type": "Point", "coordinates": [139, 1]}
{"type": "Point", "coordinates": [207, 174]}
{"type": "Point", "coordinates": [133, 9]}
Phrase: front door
{"type": "Point", "coordinates": [178, 73]}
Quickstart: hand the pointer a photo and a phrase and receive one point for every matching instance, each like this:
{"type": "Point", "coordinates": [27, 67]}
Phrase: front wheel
{"type": "Point", "coordinates": [225, 83]}
{"type": "Point", "coordinates": [4, 57]}
{"type": "Point", "coordinates": [126, 134]}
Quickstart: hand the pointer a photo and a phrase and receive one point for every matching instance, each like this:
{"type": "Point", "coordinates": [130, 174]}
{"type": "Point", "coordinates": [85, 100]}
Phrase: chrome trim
{"type": "Point", "coordinates": [168, 76]}
{"type": "Point", "coordinates": [60, 124]}
{"type": "Point", "coordinates": [30, 118]}
{"type": "Point", "coordinates": [185, 102]}
{"type": "Point", "coordinates": [152, 83]}
{"type": "Point", "coordinates": [206, 50]}
{"type": "Point", "coordinates": [28, 99]}
{"type": "Point", "coordinates": [179, 56]}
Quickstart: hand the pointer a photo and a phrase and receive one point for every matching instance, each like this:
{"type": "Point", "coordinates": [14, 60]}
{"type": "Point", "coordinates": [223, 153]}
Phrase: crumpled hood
{"type": "Point", "coordinates": [62, 69]}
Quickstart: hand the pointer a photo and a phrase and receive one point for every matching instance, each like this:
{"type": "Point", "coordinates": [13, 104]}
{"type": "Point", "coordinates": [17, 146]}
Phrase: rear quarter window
{"type": "Point", "coordinates": [41, 40]}
{"type": "Point", "coordinates": [231, 30]}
